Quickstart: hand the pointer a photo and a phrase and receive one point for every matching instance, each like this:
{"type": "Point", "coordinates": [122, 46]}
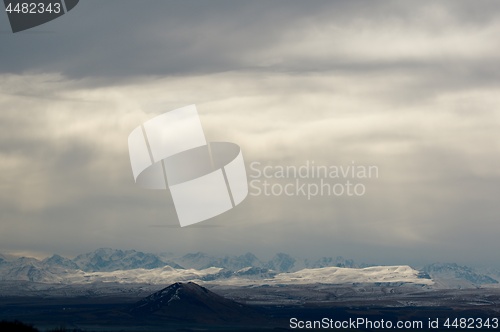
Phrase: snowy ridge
{"type": "Point", "coordinates": [158, 276]}
{"type": "Point", "coordinates": [327, 275]}
{"type": "Point", "coordinates": [339, 275]}
{"type": "Point", "coordinates": [167, 274]}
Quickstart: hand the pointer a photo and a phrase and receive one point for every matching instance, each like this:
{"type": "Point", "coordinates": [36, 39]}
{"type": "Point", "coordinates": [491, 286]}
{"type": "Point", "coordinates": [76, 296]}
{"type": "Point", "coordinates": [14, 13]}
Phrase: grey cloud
{"type": "Point", "coordinates": [123, 38]}
{"type": "Point", "coordinates": [426, 119]}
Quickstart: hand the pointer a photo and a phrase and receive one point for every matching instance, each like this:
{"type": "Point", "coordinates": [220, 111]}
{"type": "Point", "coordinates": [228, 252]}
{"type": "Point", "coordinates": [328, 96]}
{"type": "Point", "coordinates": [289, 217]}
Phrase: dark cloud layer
{"type": "Point", "coordinates": [127, 38]}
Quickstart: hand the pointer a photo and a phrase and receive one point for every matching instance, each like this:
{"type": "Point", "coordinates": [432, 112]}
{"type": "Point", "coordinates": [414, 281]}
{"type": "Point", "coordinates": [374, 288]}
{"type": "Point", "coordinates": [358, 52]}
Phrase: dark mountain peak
{"type": "Point", "coordinates": [187, 292]}
{"type": "Point", "coordinates": [191, 302]}
{"type": "Point", "coordinates": [175, 289]}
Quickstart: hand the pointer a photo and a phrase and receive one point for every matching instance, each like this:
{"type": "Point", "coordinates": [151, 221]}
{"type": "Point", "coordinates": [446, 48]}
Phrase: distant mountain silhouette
{"type": "Point", "coordinates": [190, 302]}
{"type": "Point", "coordinates": [107, 259]}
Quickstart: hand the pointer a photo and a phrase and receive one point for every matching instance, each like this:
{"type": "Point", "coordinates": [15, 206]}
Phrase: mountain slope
{"type": "Point", "coordinates": [451, 275]}
{"type": "Point", "coordinates": [59, 261]}
{"type": "Point", "coordinates": [193, 303]}
{"type": "Point", "coordinates": [338, 275]}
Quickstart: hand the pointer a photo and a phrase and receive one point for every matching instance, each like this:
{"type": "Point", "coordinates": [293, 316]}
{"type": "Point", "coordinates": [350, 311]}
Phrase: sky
{"type": "Point", "coordinates": [411, 89]}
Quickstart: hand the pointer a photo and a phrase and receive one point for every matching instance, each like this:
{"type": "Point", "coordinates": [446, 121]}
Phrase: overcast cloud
{"type": "Point", "coordinates": [412, 89]}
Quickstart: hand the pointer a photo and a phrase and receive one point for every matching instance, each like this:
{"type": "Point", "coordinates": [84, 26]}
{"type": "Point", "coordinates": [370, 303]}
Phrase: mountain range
{"type": "Point", "coordinates": [131, 266]}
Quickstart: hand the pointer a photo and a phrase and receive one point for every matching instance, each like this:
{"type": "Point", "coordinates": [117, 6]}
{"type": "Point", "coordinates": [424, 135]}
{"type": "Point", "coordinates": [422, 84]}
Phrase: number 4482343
{"type": "Point", "coordinates": [33, 8]}
{"type": "Point", "coordinates": [471, 323]}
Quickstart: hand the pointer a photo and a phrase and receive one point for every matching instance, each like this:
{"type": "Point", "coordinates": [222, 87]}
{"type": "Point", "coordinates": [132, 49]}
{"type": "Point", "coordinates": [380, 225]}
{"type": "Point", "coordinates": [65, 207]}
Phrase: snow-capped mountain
{"type": "Point", "coordinates": [491, 272]}
{"type": "Point", "coordinates": [130, 266]}
{"type": "Point", "coordinates": [31, 269]}
{"type": "Point", "coordinates": [59, 261]}
{"type": "Point", "coordinates": [106, 259]}
{"type": "Point", "coordinates": [243, 277]}
{"type": "Point", "coordinates": [340, 275]}
{"type": "Point", "coordinates": [255, 273]}
{"type": "Point", "coordinates": [451, 275]}
{"type": "Point", "coordinates": [158, 276]}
